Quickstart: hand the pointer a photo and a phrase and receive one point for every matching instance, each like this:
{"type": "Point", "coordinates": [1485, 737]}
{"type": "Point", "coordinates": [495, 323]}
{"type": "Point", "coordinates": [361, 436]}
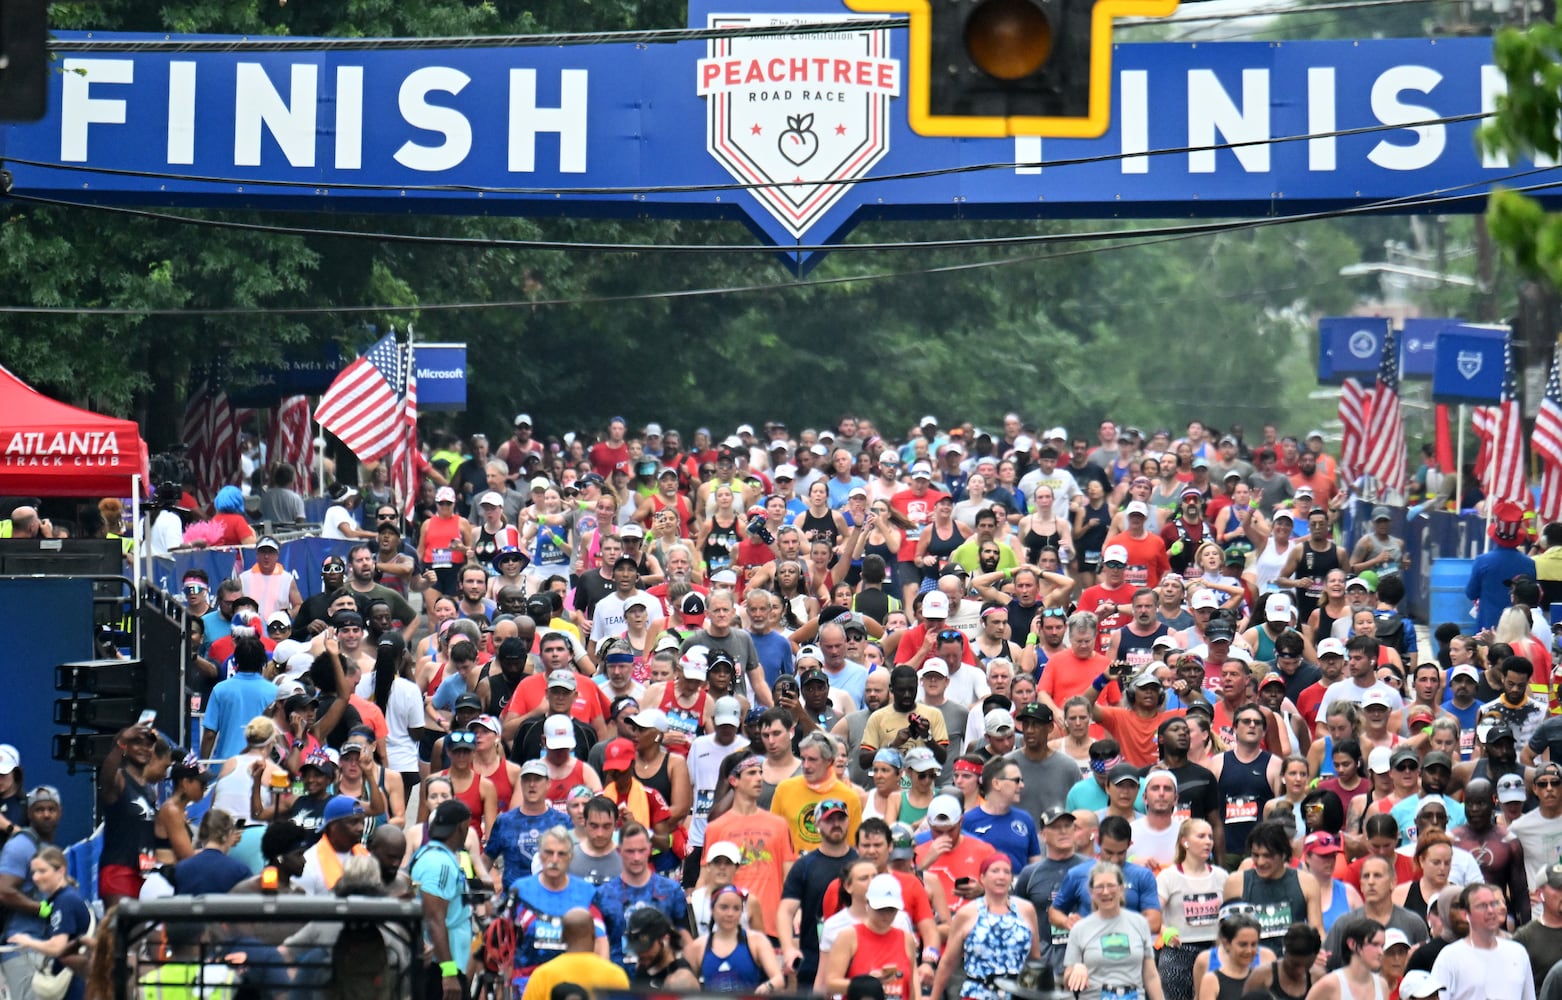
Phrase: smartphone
{"type": "Point", "coordinates": [147, 718]}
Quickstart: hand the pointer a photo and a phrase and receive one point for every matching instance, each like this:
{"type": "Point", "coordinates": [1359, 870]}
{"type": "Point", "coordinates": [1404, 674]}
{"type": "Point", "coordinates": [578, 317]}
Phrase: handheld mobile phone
{"type": "Point", "coordinates": [147, 717]}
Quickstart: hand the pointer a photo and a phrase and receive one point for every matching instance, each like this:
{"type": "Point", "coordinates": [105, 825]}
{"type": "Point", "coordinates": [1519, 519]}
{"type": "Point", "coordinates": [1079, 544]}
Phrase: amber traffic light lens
{"type": "Point", "coordinates": [1008, 39]}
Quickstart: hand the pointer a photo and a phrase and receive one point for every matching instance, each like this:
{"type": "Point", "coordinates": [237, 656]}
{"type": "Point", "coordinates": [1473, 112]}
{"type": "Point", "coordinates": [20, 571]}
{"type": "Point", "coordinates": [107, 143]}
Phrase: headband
{"type": "Point", "coordinates": [1102, 766]}
{"type": "Point", "coordinates": [967, 767]}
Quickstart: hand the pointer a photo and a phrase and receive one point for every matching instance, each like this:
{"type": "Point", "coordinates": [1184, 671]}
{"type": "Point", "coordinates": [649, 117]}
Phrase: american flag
{"type": "Point", "coordinates": [1483, 420]}
{"type": "Point", "coordinates": [210, 432]}
{"type": "Point", "coordinates": [1384, 443]}
{"type": "Point", "coordinates": [1548, 444]}
{"type": "Point", "coordinates": [1505, 479]}
{"type": "Point", "coordinates": [290, 438]}
{"type": "Point", "coordinates": [364, 406]}
{"type": "Point", "coordinates": [404, 453]}
{"type": "Point", "coordinates": [1353, 423]}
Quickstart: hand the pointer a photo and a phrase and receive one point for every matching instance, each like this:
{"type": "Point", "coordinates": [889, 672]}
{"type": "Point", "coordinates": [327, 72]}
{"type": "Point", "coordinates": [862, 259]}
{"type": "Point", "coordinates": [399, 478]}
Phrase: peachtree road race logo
{"type": "Point", "coordinates": [797, 109]}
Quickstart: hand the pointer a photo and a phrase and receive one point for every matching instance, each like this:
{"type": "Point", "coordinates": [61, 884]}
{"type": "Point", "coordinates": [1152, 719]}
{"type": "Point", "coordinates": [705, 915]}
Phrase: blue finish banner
{"type": "Point", "coordinates": [1350, 347]}
{"type": "Point", "coordinates": [441, 376]}
{"type": "Point", "coordinates": [1470, 364]}
{"type": "Point", "coordinates": [800, 136]}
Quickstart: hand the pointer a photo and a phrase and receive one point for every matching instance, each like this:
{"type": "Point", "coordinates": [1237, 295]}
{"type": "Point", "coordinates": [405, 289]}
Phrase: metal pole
{"type": "Point", "coordinates": [1459, 465]}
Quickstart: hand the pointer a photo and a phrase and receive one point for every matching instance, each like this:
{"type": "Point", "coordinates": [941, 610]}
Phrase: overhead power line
{"type": "Point", "coordinates": [1131, 240]}
{"type": "Point", "coordinates": [904, 175]}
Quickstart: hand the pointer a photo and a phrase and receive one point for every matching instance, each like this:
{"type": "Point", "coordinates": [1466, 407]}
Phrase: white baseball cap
{"type": "Point", "coordinates": [490, 499]}
{"type": "Point", "coordinates": [1331, 647]}
{"type": "Point", "coordinates": [945, 811]}
{"type": "Point", "coordinates": [1138, 507]}
{"type": "Point", "coordinates": [935, 665]}
{"type": "Point", "coordinates": [1114, 554]}
{"type": "Point", "coordinates": [1240, 654]}
{"type": "Point", "coordinates": [693, 664]}
{"type": "Point", "coordinates": [724, 849]}
{"type": "Point", "coordinates": [1056, 433]}
{"type": "Point", "coordinates": [1510, 788]}
{"type": "Point", "coordinates": [1279, 606]}
{"type": "Point", "coordinates": [562, 678]}
{"type": "Point", "coordinates": [541, 482]}
{"type": "Point", "coordinates": [1376, 697]}
{"type": "Point", "coordinates": [935, 604]}
{"type": "Point", "coordinates": [884, 893]}
{"type": "Point", "coordinates": [1205, 598]}
{"type": "Point", "coordinates": [787, 471]}
{"type": "Point", "coordinates": [1466, 670]}
{"type": "Point", "coordinates": [558, 733]}
{"type": "Point", "coordinates": [1023, 443]}
{"type": "Point", "coordinates": [921, 470]}
{"type": "Point", "coordinates": [728, 712]}
{"type": "Point", "coordinates": [650, 718]}
{"type": "Point", "coordinates": [1394, 936]}
{"type": "Point", "coordinates": [10, 760]}
{"type": "Point", "coordinates": [1378, 760]}
{"type": "Point", "coordinates": [1167, 641]}
{"type": "Point", "coordinates": [998, 721]}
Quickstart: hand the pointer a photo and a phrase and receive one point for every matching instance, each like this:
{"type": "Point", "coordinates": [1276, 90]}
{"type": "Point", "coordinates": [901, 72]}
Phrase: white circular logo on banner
{"type": "Point", "coordinates": [1363, 343]}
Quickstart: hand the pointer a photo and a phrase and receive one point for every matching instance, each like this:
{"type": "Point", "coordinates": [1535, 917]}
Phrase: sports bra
{"type": "Point", "coordinates": [1034, 543]}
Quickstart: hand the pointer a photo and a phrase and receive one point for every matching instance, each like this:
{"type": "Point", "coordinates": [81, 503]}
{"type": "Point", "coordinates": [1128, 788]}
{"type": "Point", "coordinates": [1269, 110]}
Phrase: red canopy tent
{"type": "Point", "coordinates": [50, 449]}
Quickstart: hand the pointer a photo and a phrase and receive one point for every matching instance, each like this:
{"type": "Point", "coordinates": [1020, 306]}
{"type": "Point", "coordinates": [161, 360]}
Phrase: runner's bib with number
{"type": "Point", "coordinates": [1242, 809]}
{"type": "Point", "coordinates": [1201, 909]}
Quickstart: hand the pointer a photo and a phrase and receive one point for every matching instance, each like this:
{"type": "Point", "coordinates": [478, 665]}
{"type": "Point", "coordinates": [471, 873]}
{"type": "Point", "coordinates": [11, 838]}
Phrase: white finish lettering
{"type": "Point", "coordinates": [568, 120]}
{"type": "Point", "coordinates": [449, 122]}
{"type": "Point", "coordinates": [1211, 113]}
{"type": "Point", "coordinates": [1390, 110]}
{"type": "Point", "coordinates": [1320, 117]}
{"type": "Point", "coordinates": [1134, 114]}
{"type": "Point", "coordinates": [1493, 86]}
{"type": "Point", "coordinates": [1027, 149]}
{"type": "Point", "coordinates": [79, 109]}
{"type": "Point", "coordinates": [291, 123]}
{"type": "Point", "coordinates": [181, 112]}
{"type": "Point", "coordinates": [349, 117]}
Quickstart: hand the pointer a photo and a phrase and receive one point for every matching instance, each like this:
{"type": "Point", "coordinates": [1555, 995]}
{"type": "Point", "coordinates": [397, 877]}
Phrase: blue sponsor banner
{"type": "Point", "coordinates": [800, 136]}
{"type": "Point", "coordinates": [1418, 347]}
{"type": "Point", "coordinates": [1470, 364]}
{"type": "Point", "coordinates": [441, 376]}
{"type": "Point", "coordinates": [300, 374]}
{"type": "Point", "coordinates": [1350, 347]}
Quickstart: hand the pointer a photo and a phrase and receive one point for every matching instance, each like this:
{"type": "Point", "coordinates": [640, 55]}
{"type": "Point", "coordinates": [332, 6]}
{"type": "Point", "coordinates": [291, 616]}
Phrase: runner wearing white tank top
{"type": "Point", "coordinates": [1266, 568]}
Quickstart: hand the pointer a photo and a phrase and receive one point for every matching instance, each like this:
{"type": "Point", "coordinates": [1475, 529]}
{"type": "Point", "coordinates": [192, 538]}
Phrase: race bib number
{"type": "Point", "coordinates": [547, 932]}
{"type": "Point", "coordinates": [1466, 743]}
{"type": "Point", "coordinates": [1274, 919]}
{"type": "Point", "coordinates": [1139, 576]}
{"type": "Point", "coordinates": [441, 559]}
{"type": "Point", "coordinates": [1182, 814]}
{"type": "Point", "coordinates": [1060, 936]}
{"type": "Point", "coordinates": [1242, 810]}
{"type": "Point", "coordinates": [1202, 909]}
{"type": "Point", "coordinates": [703, 800]}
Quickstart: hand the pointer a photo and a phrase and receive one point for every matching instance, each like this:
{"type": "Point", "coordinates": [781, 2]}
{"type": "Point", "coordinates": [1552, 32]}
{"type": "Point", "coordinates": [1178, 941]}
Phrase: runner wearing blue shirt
{"type": "Point", "coordinates": [997, 822]}
{"type": "Point", "coordinates": [517, 832]}
{"type": "Point", "coordinates": [447, 919]}
{"type": "Point", "coordinates": [1140, 891]}
{"type": "Point", "coordinates": [635, 887]}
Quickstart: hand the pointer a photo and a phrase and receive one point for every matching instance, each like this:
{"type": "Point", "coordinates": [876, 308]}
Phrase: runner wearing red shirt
{"type": "Point", "coordinates": [916, 505]}
{"type": "Point", "coordinates": [1111, 600]}
{"type": "Point", "coordinates": [1071, 671]}
{"type": "Point", "coordinates": [1183, 534]}
{"type": "Point", "coordinates": [1147, 560]}
{"type": "Point", "coordinates": [605, 456]}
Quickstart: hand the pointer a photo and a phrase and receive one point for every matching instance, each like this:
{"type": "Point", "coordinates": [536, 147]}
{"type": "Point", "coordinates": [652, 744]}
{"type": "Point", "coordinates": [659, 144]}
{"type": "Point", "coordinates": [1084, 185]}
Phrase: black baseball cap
{"type": "Point", "coordinates": [1036, 711]}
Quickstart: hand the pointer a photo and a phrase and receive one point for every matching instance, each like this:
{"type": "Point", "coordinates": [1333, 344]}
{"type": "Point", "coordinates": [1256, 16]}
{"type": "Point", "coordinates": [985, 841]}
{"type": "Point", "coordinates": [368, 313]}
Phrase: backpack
{"type": "Point", "coordinates": [1391, 630]}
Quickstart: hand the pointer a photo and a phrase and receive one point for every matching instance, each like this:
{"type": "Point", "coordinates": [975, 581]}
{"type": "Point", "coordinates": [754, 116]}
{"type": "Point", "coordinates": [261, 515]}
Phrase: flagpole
{"type": "Point", "coordinates": [1459, 465]}
{"type": "Point", "coordinates": [412, 460]}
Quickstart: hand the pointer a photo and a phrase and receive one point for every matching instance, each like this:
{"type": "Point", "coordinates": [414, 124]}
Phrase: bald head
{"type": "Point", "coordinates": [24, 522]}
{"type": "Point", "coordinates": [580, 932]}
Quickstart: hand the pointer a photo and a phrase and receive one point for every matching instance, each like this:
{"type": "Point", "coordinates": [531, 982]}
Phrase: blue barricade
{"type": "Point", "coordinates": [302, 556]}
{"type": "Point", "coordinates": [1429, 536]}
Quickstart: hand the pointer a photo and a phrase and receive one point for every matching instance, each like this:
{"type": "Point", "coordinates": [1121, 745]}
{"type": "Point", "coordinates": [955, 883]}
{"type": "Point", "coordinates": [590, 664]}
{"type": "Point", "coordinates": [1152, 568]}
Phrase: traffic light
{"type": "Point", "coordinates": [24, 60]}
{"type": "Point", "coordinates": [994, 68]}
{"type": "Point", "coordinates": [106, 696]}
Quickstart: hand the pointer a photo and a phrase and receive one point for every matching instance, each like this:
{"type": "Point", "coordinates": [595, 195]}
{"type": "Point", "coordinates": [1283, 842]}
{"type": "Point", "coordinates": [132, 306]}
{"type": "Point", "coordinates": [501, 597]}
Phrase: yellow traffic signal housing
{"type": "Point", "coordinates": [994, 68]}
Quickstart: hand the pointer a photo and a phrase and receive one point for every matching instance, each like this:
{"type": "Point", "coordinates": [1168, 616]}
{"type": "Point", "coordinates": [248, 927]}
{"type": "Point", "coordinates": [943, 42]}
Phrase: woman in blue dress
{"type": "Point", "coordinates": [990, 939]}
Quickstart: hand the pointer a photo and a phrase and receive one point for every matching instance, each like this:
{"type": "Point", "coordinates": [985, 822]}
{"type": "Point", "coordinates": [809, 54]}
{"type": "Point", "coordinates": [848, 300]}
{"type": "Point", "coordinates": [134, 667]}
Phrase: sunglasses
{"type": "Point", "coordinates": [461, 740]}
{"type": "Point", "coordinates": [1054, 613]}
{"type": "Point", "coordinates": [1548, 783]}
{"type": "Point", "coordinates": [1407, 765]}
{"type": "Point", "coordinates": [195, 588]}
{"type": "Point", "coordinates": [278, 626]}
{"type": "Point", "coordinates": [949, 635]}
